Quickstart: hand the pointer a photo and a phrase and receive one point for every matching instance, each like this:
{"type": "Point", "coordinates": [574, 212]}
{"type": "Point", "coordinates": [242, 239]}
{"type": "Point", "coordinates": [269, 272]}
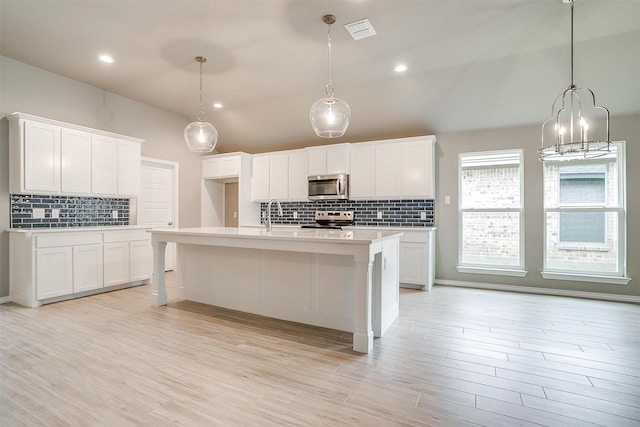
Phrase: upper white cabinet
{"type": "Point", "coordinates": [104, 165]}
{"type": "Point", "coordinates": [129, 169]}
{"type": "Point", "coordinates": [328, 159]}
{"type": "Point", "coordinates": [221, 167]}
{"type": "Point", "coordinates": [75, 155]}
{"type": "Point", "coordinates": [41, 157]}
{"type": "Point", "coordinates": [50, 157]}
{"type": "Point", "coordinates": [279, 175]}
{"type": "Point", "coordinates": [393, 169]}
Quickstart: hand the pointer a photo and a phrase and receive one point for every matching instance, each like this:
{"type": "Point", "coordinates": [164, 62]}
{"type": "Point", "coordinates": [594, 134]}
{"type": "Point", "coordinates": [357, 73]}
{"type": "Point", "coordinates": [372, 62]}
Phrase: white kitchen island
{"type": "Point", "coordinates": [344, 280]}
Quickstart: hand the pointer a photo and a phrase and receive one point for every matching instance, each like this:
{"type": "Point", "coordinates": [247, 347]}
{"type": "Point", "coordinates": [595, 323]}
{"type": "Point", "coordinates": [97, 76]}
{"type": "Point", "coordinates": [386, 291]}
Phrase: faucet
{"type": "Point", "coordinates": [267, 222]}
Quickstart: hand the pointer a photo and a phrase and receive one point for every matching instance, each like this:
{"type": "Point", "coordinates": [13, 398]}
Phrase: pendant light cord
{"type": "Point", "coordinates": [329, 87]}
{"type": "Point", "coordinates": [572, 85]}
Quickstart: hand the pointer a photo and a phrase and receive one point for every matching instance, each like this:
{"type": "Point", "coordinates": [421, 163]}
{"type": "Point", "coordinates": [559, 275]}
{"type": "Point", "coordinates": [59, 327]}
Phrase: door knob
{"type": "Point", "coordinates": [170, 223]}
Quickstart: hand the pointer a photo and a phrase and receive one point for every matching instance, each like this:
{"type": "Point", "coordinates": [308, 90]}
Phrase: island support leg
{"type": "Point", "coordinates": [159, 287]}
{"type": "Point", "coordinates": [363, 333]}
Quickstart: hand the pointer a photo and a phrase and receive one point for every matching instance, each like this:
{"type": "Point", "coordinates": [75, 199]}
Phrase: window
{"type": "Point", "coordinates": [585, 225]}
{"type": "Point", "coordinates": [491, 213]}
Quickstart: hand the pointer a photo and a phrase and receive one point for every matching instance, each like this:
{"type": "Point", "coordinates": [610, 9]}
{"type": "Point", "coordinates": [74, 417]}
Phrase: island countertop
{"type": "Point", "coordinates": [284, 233]}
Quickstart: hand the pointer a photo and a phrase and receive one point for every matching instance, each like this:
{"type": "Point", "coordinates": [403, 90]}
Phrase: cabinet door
{"type": "Point", "coordinates": [129, 168]}
{"type": "Point", "coordinates": [116, 263]}
{"type": "Point", "coordinates": [104, 165]}
{"type": "Point", "coordinates": [413, 263]}
{"type": "Point", "coordinates": [260, 179]}
{"type": "Point", "coordinates": [279, 177]}
{"type": "Point", "coordinates": [389, 170]}
{"type": "Point", "coordinates": [229, 166]}
{"type": "Point", "coordinates": [87, 267]}
{"type": "Point", "coordinates": [298, 176]}
{"type": "Point", "coordinates": [417, 169]}
{"type": "Point", "coordinates": [41, 157]}
{"type": "Point", "coordinates": [54, 272]}
{"type": "Point", "coordinates": [140, 257]}
{"type": "Point", "coordinates": [76, 162]}
{"type": "Point", "coordinates": [317, 161]}
{"type": "Point", "coordinates": [362, 181]}
{"type": "Point", "coordinates": [338, 159]}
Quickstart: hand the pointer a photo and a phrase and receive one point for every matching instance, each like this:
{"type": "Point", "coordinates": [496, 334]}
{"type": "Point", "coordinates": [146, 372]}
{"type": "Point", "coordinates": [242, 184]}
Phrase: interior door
{"type": "Point", "coordinates": [158, 202]}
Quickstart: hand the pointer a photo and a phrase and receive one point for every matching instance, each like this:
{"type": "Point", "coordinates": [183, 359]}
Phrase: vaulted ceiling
{"type": "Point", "coordinates": [471, 64]}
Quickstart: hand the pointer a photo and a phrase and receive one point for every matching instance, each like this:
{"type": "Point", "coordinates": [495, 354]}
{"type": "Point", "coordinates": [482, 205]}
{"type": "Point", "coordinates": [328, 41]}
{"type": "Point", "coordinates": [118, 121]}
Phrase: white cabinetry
{"type": "Point", "coordinates": [104, 165]}
{"type": "Point", "coordinates": [417, 259]}
{"type": "Point", "coordinates": [76, 162]}
{"type": "Point", "coordinates": [129, 168]}
{"type": "Point", "coordinates": [279, 175]}
{"type": "Point", "coordinates": [54, 272]}
{"type": "Point", "coordinates": [328, 159]}
{"type": "Point", "coordinates": [41, 158]}
{"type": "Point", "coordinates": [50, 157]}
{"type": "Point", "coordinates": [48, 266]}
{"type": "Point", "coordinates": [219, 167]}
{"type": "Point", "coordinates": [393, 169]}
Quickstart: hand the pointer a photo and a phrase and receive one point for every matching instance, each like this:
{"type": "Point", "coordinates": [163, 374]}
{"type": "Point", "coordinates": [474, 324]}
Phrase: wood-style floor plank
{"type": "Point", "coordinates": [454, 357]}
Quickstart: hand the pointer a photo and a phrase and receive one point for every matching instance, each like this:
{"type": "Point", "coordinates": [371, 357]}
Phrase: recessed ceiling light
{"type": "Point", "coordinates": [217, 105]}
{"type": "Point", "coordinates": [400, 68]}
{"type": "Point", "coordinates": [106, 58]}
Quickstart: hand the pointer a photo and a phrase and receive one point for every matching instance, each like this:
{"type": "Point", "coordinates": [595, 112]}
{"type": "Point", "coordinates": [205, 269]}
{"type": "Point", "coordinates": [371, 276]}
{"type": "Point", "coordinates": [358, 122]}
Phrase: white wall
{"type": "Point", "coordinates": [34, 91]}
{"type": "Point", "coordinates": [528, 138]}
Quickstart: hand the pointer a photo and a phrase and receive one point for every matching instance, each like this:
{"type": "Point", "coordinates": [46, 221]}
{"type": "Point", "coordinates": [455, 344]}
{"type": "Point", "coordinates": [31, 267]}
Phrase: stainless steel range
{"type": "Point", "coordinates": [331, 219]}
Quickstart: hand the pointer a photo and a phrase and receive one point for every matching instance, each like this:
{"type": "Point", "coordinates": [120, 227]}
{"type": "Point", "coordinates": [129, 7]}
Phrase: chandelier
{"type": "Point", "coordinates": [577, 127]}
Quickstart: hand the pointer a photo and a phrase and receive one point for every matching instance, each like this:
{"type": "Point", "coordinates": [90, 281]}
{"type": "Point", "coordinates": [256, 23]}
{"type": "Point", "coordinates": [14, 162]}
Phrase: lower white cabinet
{"type": "Point", "coordinates": [417, 259]}
{"type": "Point", "coordinates": [48, 266]}
{"type": "Point", "coordinates": [54, 269]}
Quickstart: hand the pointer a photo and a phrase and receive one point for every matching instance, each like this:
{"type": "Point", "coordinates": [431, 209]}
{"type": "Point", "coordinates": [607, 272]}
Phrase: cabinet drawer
{"type": "Point", "coordinates": [414, 236]}
{"type": "Point", "coordinates": [68, 239]}
{"type": "Point", "coordinates": [126, 236]}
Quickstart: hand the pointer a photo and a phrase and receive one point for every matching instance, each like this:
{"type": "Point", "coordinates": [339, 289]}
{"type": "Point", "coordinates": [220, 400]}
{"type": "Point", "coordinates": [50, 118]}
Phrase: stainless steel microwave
{"type": "Point", "coordinates": [329, 187]}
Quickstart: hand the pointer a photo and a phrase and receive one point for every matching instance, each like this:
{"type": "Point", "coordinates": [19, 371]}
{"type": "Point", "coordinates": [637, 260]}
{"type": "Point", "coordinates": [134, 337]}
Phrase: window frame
{"type": "Point", "coordinates": [515, 271]}
{"type": "Point", "coordinates": [617, 277]}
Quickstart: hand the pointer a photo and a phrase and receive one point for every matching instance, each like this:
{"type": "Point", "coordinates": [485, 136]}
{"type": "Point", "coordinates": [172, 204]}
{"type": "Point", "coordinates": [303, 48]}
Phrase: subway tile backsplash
{"type": "Point", "coordinates": [73, 211]}
{"type": "Point", "coordinates": [395, 213]}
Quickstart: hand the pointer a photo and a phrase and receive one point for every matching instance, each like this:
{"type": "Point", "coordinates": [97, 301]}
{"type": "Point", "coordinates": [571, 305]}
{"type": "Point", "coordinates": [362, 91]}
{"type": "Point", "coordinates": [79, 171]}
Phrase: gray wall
{"type": "Point", "coordinates": [34, 91]}
{"type": "Point", "coordinates": [528, 138]}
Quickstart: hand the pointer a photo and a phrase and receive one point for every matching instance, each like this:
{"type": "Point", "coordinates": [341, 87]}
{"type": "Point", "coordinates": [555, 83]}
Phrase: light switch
{"type": "Point", "coordinates": [38, 213]}
{"type": "Point", "coordinates": [447, 200]}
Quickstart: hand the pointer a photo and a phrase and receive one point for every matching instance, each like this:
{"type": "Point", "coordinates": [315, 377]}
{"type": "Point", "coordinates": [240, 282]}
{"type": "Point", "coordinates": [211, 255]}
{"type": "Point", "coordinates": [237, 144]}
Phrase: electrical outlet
{"type": "Point", "coordinates": [55, 213]}
{"type": "Point", "coordinates": [295, 215]}
{"type": "Point", "coordinates": [114, 214]}
{"type": "Point", "coordinates": [235, 214]}
{"type": "Point", "coordinates": [37, 213]}
{"type": "Point", "coordinates": [423, 216]}
{"type": "Point", "coordinates": [379, 216]}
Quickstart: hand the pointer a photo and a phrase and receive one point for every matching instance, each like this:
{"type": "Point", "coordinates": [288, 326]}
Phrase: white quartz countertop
{"type": "Point", "coordinates": [282, 233]}
{"type": "Point", "coordinates": [78, 229]}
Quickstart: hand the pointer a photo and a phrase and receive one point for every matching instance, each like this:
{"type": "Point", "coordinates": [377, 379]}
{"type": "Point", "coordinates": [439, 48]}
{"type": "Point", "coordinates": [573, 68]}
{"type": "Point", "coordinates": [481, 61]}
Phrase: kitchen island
{"type": "Point", "coordinates": [344, 280]}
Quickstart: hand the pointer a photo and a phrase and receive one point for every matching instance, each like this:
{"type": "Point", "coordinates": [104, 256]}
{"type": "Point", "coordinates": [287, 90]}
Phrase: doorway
{"type": "Point", "coordinates": [158, 203]}
{"type": "Point", "coordinates": [231, 204]}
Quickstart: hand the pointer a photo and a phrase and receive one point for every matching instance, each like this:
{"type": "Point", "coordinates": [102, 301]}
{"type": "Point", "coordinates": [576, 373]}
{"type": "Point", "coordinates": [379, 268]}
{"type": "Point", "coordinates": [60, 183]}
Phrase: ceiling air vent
{"type": "Point", "coordinates": [360, 29]}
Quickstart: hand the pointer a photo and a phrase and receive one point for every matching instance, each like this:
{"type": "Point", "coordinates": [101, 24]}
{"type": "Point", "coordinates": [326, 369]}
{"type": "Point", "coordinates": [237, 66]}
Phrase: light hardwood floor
{"type": "Point", "coordinates": [454, 357]}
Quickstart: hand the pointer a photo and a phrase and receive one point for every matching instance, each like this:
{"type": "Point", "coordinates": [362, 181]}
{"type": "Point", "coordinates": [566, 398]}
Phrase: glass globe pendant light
{"type": "Point", "coordinates": [201, 136]}
{"type": "Point", "coordinates": [566, 134]}
{"type": "Point", "coordinates": [330, 116]}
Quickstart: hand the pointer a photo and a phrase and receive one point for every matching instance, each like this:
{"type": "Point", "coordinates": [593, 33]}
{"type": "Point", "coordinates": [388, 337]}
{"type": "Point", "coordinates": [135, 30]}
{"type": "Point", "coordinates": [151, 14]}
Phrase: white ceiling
{"type": "Point", "coordinates": [473, 64]}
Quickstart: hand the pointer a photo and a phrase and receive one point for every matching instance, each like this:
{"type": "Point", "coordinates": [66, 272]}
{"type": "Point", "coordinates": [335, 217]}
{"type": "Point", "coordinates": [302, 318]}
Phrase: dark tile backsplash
{"type": "Point", "coordinates": [74, 211]}
{"type": "Point", "coordinates": [395, 213]}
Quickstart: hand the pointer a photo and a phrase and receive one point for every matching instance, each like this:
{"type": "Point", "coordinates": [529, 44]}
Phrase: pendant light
{"type": "Point", "coordinates": [574, 134]}
{"type": "Point", "coordinates": [330, 116]}
{"type": "Point", "coordinates": [201, 136]}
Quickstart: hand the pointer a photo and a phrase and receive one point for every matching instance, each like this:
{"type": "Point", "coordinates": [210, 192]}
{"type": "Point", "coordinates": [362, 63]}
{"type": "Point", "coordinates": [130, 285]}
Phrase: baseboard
{"type": "Point", "coordinates": [4, 300]}
{"type": "Point", "coordinates": [543, 291]}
